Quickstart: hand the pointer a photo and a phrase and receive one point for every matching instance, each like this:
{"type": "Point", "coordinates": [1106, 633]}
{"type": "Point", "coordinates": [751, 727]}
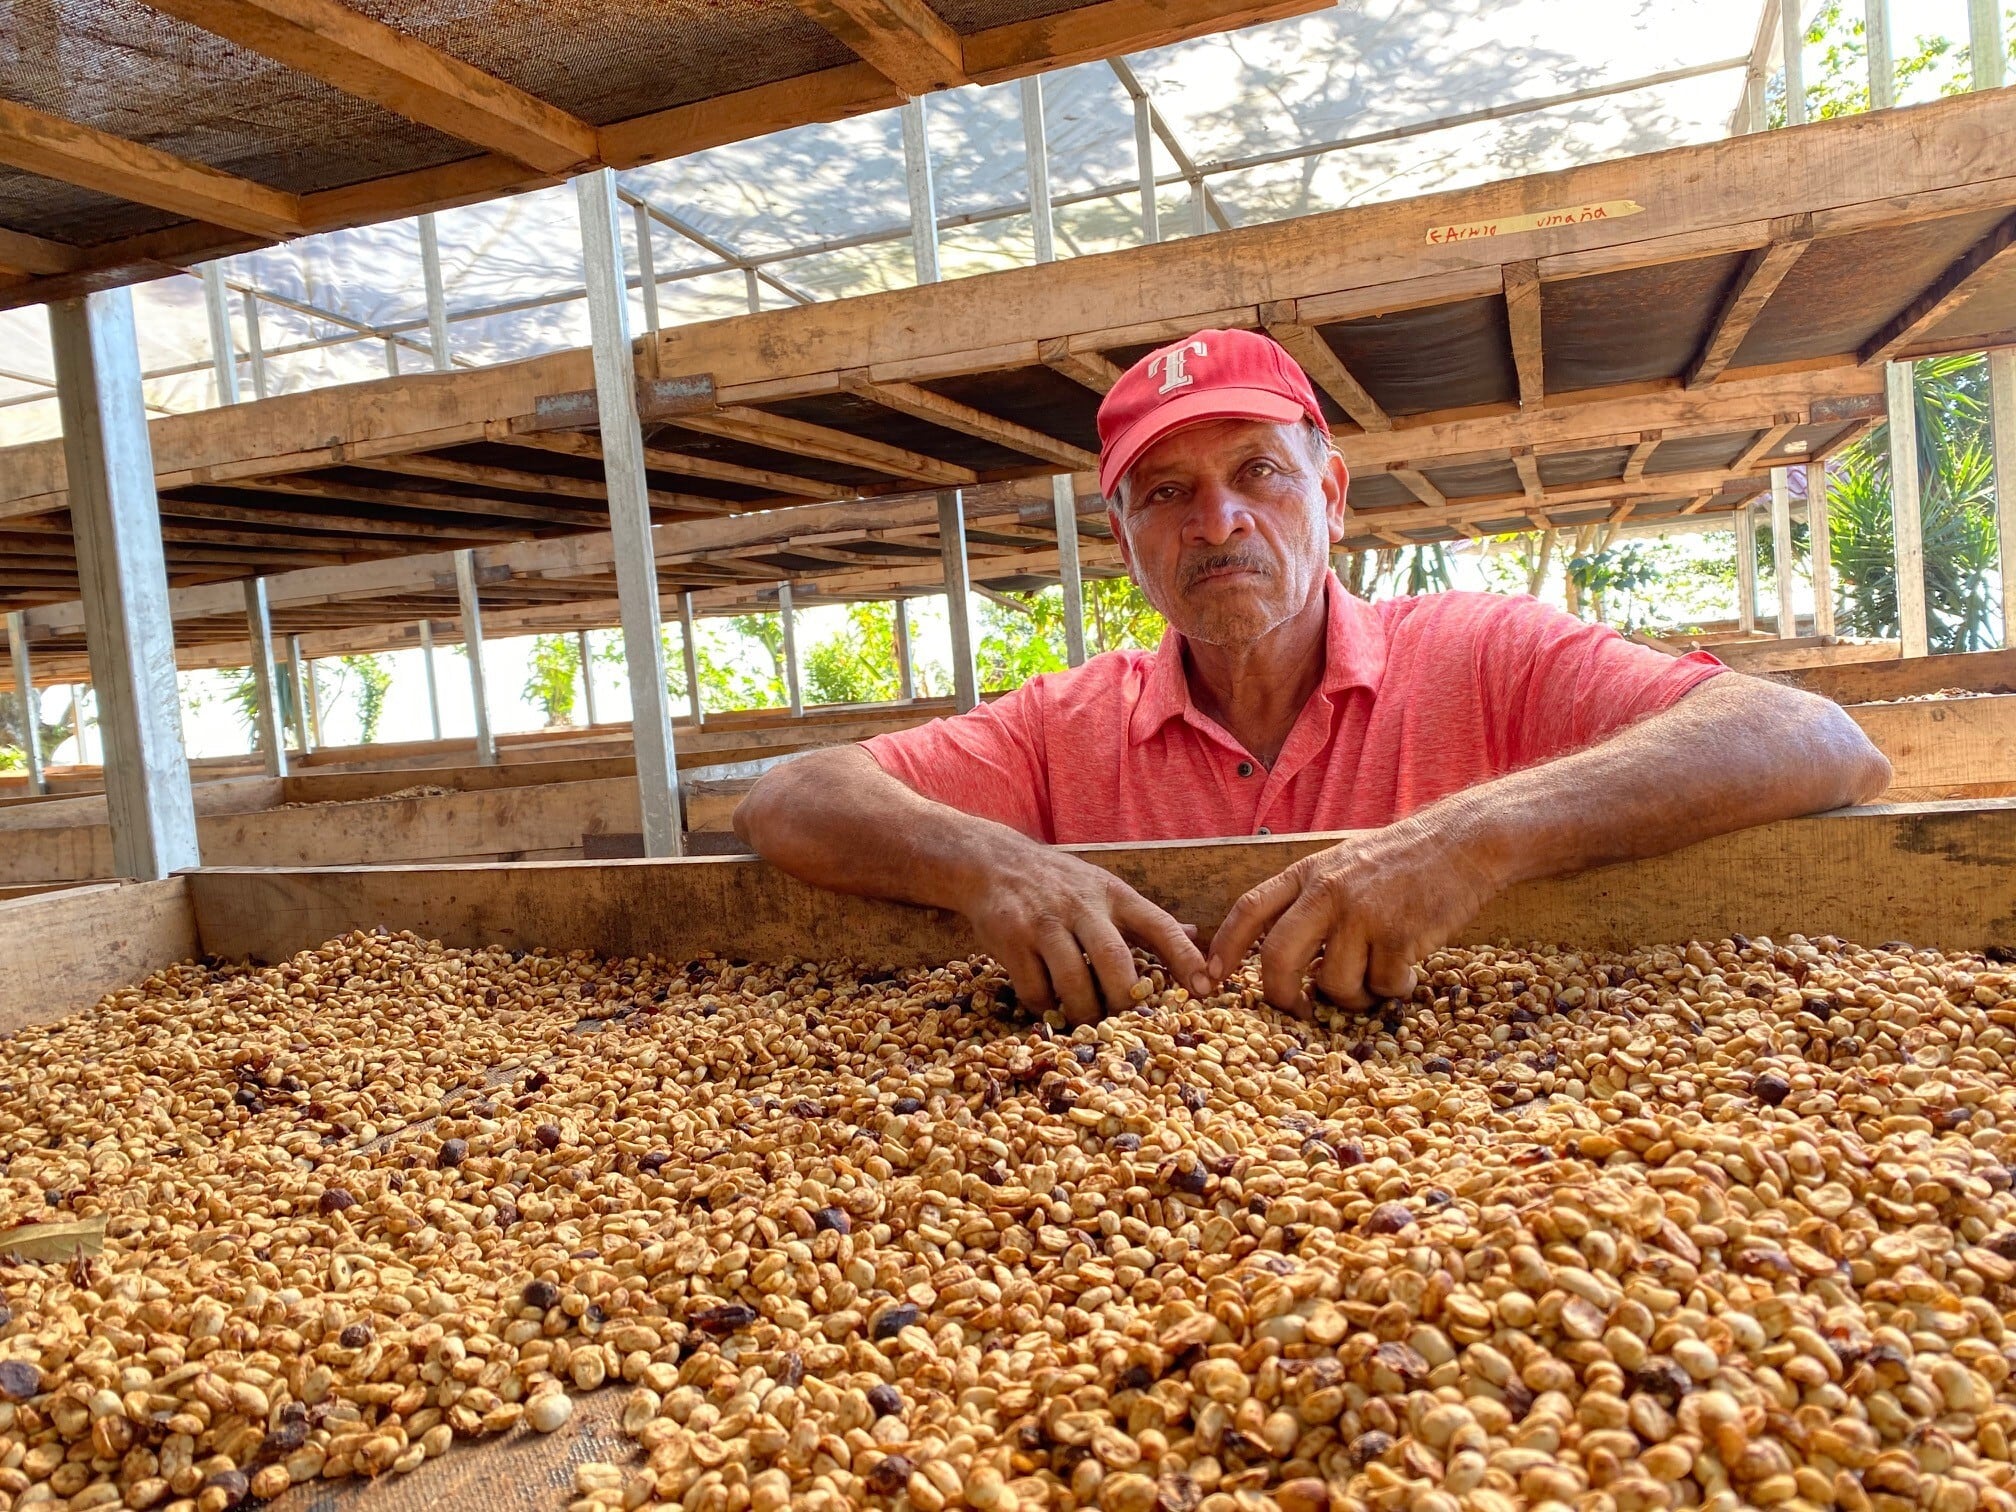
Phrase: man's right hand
{"type": "Point", "coordinates": [1043, 913]}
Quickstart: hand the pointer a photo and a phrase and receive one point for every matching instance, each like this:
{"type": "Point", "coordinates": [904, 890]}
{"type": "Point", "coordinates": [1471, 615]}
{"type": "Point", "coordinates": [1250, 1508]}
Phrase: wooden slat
{"type": "Point", "coordinates": [1419, 486]}
{"type": "Point", "coordinates": [1641, 453]}
{"type": "Point", "coordinates": [1952, 289]}
{"type": "Point", "coordinates": [903, 40]}
{"type": "Point", "coordinates": [22, 253]}
{"type": "Point", "coordinates": [364, 493]}
{"type": "Point", "coordinates": [802, 438]}
{"type": "Point", "coordinates": [1522, 313]}
{"type": "Point", "coordinates": [1091, 33]}
{"type": "Point", "coordinates": [1766, 443]}
{"type": "Point", "coordinates": [448, 470]}
{"type": "Point", "coordinates": [1976, 671]}
{"type": "Point", "coordinates": [658, 459]}
{"type": "Point", "coordinates": [1763, 270]}
{"type": "Point", "coordinates": [36, 142]}
{"type": "Point", "coordinates": [1308, 347]}
{"type": "Point", "coordinates": [61, 951]}
{"type": "Point", "coordinates": [1951, 742]}
{"type": "Point", "coordinates": [372, 61]}
{"type": "Point", "coordinates": [922, 404]}
{"type": "Point", "coordinates": [1081, 365]}
{"type": "Point", "coordinates": [1528, 468]}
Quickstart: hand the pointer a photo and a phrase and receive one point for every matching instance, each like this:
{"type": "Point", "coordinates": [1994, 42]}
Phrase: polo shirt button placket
{"type": "Point", "coordinates": [1245, 769]}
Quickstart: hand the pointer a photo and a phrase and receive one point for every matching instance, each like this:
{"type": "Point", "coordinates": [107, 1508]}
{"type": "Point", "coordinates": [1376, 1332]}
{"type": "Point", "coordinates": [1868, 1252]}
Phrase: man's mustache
{"type": "Point", "coordinates": [1196, 569]}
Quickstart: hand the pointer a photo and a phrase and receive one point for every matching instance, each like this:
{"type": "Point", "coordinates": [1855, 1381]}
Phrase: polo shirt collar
{"type": "Point", "coordinates": [1354, 657]}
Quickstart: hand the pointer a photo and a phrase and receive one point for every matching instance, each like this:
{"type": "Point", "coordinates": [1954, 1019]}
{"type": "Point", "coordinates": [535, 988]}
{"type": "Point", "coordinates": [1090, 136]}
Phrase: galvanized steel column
{"type": "Point", "coordinates": [958, 598]}
{"type": "Point", "coordinates": [26, 702]}
{"type": "Point", "coordinates": [265, 678]}
{"type": "Point", "coordinates": [472, 643]}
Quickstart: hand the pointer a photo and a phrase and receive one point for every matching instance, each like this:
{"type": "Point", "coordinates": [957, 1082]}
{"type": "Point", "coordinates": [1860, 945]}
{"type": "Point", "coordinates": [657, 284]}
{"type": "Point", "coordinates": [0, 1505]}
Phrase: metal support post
{"type": "Point", "coordinates": [794, 687]}
{"type": "Point", "coordinates": [587, 675]}
{"type": "Point", "coordinates": [129, 631]}
{"type": "Point", "coordinates": [1200, 206]}
{"type": "Point", "coordinates": [1984, 43]}
{"type": "Point", "coordinates": [437, 294]}
{"type": "Point", "coordinates": [472, 642]}
{"type": "Point", "coordinates": [1144, 152]}
{"type": "Point", "coordinates": [1882, 62]}
{"type": "Point", "coordinates": [265, 677]}
{"type": "Point", "coordinates": [1904, 509]}
{"type": "Point", "coordinates": [2002, 419]}
{"type": "Point", "coordinates": [754, 289]}
{"type": "Point", "coordinates": [314, 701]}
{"type": "Point", "coordinates": [1781, 551]}
{"type": "Point", "coordinates": [1822, 549]}
{"type": "Point", "coordinates": [958, 599]}
{"type": "Point", "coordinates": [923, 203]}
{"type": "Point", "coordinates": [629, 511]}
{"type": "Point", "coordinates": [1793, 33]}
{"type": "Point", "coordinates": [297, 684]}
{"type": "Point", "coordinates": [223, 351]}
{"type": "Point", "coordinates": [255, 346]}
{"type": "Point", "coordinates": [906, 679]}
{"type": "Point", "coordinates": [391, 357]}
{"type": "Point", "coordinates": [433, 688]}
{"type": "Point", "coordinates": [26, 703]}
{"type": "Point", "coordinates": [1064, 504]}
{"type": "Point", "coordinates": [1746, 570]}
{"type": "Point", "coordinates": [1036, 147]}
{"type": "Point", "coordinates": [690, 653]}
{"type": "Point", "coordinates": [647, 265]}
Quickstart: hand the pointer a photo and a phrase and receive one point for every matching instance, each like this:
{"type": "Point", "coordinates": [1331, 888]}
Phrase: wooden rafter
{"type": "Point", "coordinates": [1641, 453]}
{"type": "Point", "coordinates": [1993, 253]}
{"type": "Point", "coordinates": [309, 487]}
{"type": "Point", "coordinates": [1766, 443]}
{"type": "Point", "coordinates": [1080, 365]}
{"type": "Point", "coordinates": [657, 459]}
{"type": "Point", "coordinates": [1307, 346]}
{"type": "Point", "coordinates": [1528, 468]}
{"type": "Point", "coordinates": [1763, 270]}
{"type": "Point", "coordinates": [1090, 33]}
{"type": "Point", "coordinates": [469, 532]}
{"type": "Point", "coordinates": [372, 61]}
{"type": "Point", "coordinates": [921, 404]}
{"type": "Point", "coordinates": [37, 142]}
{"type": "Point", "coordinates": [21, 253]}
{"type": "Point", "coordinates": [802, 438]}
{"type": "Point", "coordinates": [1522, 314]}
{"type": "Point", "coordinates": [1417, 484]}
{"type": "Point", "coordinates": [903, 40]}
{"type": "Point", "coordinates": [511, 480]}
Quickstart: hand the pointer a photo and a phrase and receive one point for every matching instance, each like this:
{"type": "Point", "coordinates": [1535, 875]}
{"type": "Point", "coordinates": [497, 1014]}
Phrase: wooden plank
{"type": "Point", "coordinates": [61, 951]}
{"type": "Point", "coordinates": [1080, 365]}
{"type": "Point", "coordinates": [922, 404]}
{"type": "Point", "coordinates": [1768, 441]}
{"type": "Point", "coordinates": [903, 40]}
{"type": "Point", "coordinates": [1952, 289]}
{"type": "Point", "coordinates": [801, 437]}
{"type": "Point", "coordinates": [1944, 743]}
{"type": "Point", "coordinates": [1641, 453]}
{"type": "Point", "coordinates": [1308, 347]}
{"type": "Point", "coordinates": [1975, 671]}
{"type": "Point", "coordinates": [1762, 272]}
{"type": "Point", "coordinates": [1418, 485]}
{"type": "Point", "coordinates": [1090, 33]}
{"type": "Point", "coordinates": [658, 459]}
{"type": "Point", "coordinates": [1522, 314]}
{"type": "Point", "coordinates": [37, 142]}
{"type": "Point", "coordinates": [511, 479]}
{"type": "Point", "coordinates": [372, 61]}
{"type": "Point", "coordinates": [1940, 876]}
{"type": "Point", "coordinates": [22, 253]}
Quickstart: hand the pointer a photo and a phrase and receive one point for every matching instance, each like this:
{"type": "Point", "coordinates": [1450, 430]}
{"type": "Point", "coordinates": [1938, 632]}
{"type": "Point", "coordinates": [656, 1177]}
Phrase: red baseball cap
{"type": "Point", "coordinates": [1213, 375]}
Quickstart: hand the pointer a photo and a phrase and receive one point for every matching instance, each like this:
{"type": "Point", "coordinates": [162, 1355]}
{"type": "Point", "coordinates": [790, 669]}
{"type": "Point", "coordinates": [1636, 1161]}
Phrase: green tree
{"type": "Point", "coordinates": [49, 733]}
{"type": "Point", "coordinates": [374, 680]}
{"type": "Point", "coordinates": [859, 664]}
{"type": "Point", "coordinates": [552, 677]}
{"type": "Point", "coordinates": [1840, 85]}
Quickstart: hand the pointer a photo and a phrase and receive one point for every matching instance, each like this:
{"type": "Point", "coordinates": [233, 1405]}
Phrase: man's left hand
{"type": "Point", "coordinates": [1371, 907]}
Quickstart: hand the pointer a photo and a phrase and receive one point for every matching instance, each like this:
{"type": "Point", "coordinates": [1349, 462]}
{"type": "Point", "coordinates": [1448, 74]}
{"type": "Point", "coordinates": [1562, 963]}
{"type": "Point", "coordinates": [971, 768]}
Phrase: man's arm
{"type": "Point", "coordinates": [835, 819]}
{"type": "Point", "coordinates": [1733, 753]}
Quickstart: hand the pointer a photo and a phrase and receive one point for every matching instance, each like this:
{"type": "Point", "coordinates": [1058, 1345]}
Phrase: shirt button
{"type": "Point", "coordinates": [1245, 769]}
{"type": "Point", "coordinates": [1263, 830]}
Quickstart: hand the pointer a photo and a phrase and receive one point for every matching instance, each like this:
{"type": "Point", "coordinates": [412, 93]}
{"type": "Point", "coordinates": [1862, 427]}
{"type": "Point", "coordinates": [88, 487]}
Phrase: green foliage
{"type": "Point", "coordinates": [552, 677]}
{"type": "Point", "coordinates": [1840, 85]}
{"type": "Point", "coordinates": [1118, 616]}
{"type": "Point", "coordinates": [373, 681]}
{"type": "Point", "coordinates": [859, 664]}
{"type": "Point", "coordinates": [1619, 570]}
{"type": "Point", "coordinates": [13, 739]}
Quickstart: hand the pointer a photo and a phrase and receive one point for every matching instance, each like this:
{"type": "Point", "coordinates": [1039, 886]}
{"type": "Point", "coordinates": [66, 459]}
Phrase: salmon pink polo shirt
{"type": "Point", "coordinates": [1420, 697]}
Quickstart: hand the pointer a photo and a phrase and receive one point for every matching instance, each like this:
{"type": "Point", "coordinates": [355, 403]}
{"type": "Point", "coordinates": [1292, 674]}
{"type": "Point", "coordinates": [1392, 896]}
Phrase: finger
{"type": "Point", "coordinates": [1154, 929]}
{"type": "Point", "coordinates": [1027, 974]}
{"type": "Point", "coordinates": [1341, 977]}
{"type": "Point", "coordinates": [1390, 973]}
{"type": "Point", "coordinates": [1289, 948]}
{"type": "Point", "coordinates": [1066, 962]}
{"type": "Point", "coordinates": [1112, 961]}
{"type": "Point", "coordinates": [1248, 920]}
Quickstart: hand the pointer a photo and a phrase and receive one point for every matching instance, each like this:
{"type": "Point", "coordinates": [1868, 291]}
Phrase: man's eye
{"type": "Point", "coordinates": [1262, 469]}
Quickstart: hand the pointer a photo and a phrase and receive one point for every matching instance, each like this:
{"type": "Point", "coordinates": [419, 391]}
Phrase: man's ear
{"type": "Point", "coordinates": [1120, 536]}
{"type": "Point", "coordinates": [1336, 489]}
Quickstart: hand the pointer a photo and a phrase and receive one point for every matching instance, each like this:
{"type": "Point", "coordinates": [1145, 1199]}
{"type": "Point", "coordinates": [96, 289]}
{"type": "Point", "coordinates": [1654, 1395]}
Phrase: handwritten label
{"type": "Point", "coordinates": [1441, 234]}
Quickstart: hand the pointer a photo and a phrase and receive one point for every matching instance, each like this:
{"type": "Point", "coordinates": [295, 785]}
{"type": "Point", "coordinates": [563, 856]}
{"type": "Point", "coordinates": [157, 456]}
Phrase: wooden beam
{"type": "Point", "coordinates": [1522, 314]}
{"type": "Point", "coordinates": [1307, 346]}
{"type": "Point", "coordinates": [1953, 288]}
{"type": "Point", "coordinates": [921, 404]}
{"type": "Point", "coordinates": [903, 40]}
{"type": "Point", "coordinates": [1634, 465]}
{"type": "Point", "coordinates": [1419, 486]}
{"type": "Point", "coordinates": [465, 532]}
{"type": "Point", "coordinates": [1696, 504]}
{"type": "Point", "coordinates": [22, 253]}
{"type": "Point", "coordinates": [1528, 468]}
{"type": "Point", "coordinates": [393, 69]}
{"type": "Point", "coordinates": [448, 470]}
{"type": "Point", "coordinates": [657, 459]}
{"type": "Point", "coordinates": [1089, 33]}
{"type": "Point", "coordinates": [37, 142]}
{"type": "Point", "coordinates": [1766, 443]}
{"type": "Point", "coordinates": [1080, 365]}
{"type": "Point", "coordinates": [802, 438]}
{"type": "Point", "coordinates": [308, 487]}
{"type": "Point", "coordinates": [1763, 270]}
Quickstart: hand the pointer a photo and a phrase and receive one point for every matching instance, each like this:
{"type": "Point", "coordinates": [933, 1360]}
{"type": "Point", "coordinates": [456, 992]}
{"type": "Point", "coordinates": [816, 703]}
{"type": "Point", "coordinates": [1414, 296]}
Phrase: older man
{"type": "Point", "coordinates": [1471, 741]}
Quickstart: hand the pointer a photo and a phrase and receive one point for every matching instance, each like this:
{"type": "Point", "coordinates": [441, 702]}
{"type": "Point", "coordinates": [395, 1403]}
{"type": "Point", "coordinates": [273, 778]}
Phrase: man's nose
{"type": "Point", "coordinates": [1217, 515]}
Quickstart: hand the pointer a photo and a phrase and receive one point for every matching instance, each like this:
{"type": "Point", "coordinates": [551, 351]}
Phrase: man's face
{"type": "Point", "coordinates": [1227, 525]}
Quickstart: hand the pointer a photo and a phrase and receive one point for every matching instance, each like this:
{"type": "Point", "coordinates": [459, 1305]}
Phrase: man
{"type": "Point", "coordinates": [1471, 740]}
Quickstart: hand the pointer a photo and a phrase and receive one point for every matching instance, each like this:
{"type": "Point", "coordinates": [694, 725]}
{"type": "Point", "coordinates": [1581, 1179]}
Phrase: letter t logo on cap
{"type": "Point", "coordinates": [1172, 363]}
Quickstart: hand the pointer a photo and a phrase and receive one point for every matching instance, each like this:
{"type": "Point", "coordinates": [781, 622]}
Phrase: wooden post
{"type": "Point", "coordinates": [587, 675]}
{"type": "Point", "coordinates": [433, 688]}
{"type": "Point", "coordinates": [437, 294]}
{"type": "Point", "coordinates": [1904, 507]}
{"type": "Point", "coordinates": [1794, 36]}
{"type": "Point", "coordinates": [906, 679]}
{"type": "Point", "coordinates": [1144, 154]}
{"type": "Point", "coordinates": [472, 643]}
{"type": "Point", "coordinates": [1036, 147]}
{"type": "Point", "coordinates": [1984, 43]}
{"type": "Point", "coordinates": [1822, 557]}
{"type": "Point", "coordinates": [223, 354]}
{"type": "Point", "coordinates": [691, 654]}
{"type": "Point", "coordinates": [958, 599]}
{"type": "Point", "coordinates": [1746, 569]}
{"type": "Point", "coordinates": [2002, 414]}
{"type": "Point", "coordinates": [1064, 502]}
{"type": "Point", "coordinates": [787, 617]}
{"type": "Point", "coordinates": [297, 687]}
{"type": "Point", "coordinates": [116, 518]}
{"type": "Point", "coordinates": [265, 678]}
{"type": "Point", "coordinates": [923, 202]}
{"type": "Point", "coordinates": [629, 511]}
{"type": "Point", "coordinates": [255, 346]}
{"type": "Point", "coordinates": [26, 703]}
{"type": "Point", "coordinates": [1781, 544]}
{"type": "Point", "coordinates": [1882, 62]}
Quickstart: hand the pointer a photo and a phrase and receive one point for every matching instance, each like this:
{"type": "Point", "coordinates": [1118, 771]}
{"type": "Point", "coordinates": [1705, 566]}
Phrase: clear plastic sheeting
{"type": "Point", "coordinates": [821, 212]}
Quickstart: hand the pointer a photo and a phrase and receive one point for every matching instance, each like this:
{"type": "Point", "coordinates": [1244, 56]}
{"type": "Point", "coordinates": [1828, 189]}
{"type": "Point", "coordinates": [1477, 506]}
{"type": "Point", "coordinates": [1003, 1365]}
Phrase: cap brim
{"type": "Point", "coordinates": [1190, 409]}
